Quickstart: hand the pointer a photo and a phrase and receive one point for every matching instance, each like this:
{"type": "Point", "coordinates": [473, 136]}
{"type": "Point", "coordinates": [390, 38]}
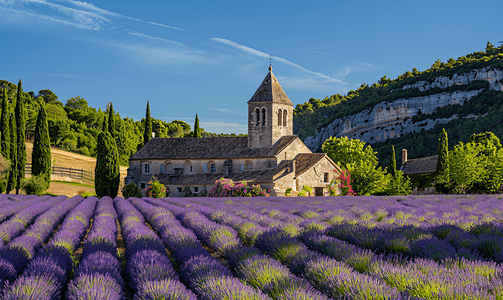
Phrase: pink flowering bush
{"type": "Point", "coordinates": [343, 183]}
{"type": "Point", "coordinates": [228, 188]}
{"type": "Point", "coordinates": [157, 190]}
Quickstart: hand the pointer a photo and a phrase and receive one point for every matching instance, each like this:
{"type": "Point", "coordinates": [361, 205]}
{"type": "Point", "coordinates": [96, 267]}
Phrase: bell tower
{"type": "Point", "coordinates": [270, 113]}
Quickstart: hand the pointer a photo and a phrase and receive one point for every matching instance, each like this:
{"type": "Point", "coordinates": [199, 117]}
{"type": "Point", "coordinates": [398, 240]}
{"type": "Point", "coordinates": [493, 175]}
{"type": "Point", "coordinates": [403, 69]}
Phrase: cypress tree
{"type": "Point", "coordinates": [12, 179]}
{"type": "Point", "coordinates": [111, 121]}
{"type": "Point", "coordinates": [197, 130]}
{"type": "Point", "coordinates": [104, 126]}
{"type": "Point", "coordinates": [391, 168]}
{"type": "Point", "coordinates": [21, 134]}
{"type": "Point", "coordinates": [4, 127]}
{"type": "Point", "coordinates": [442, 172]}
{"type": "Point", "coordinates": [107, 174]}
{"type": "Point", "coordinates": [147, 134]}
{"type": "Point", "coordinates": [41, 155]}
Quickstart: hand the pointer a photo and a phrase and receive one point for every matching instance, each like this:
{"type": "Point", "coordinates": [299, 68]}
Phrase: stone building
{"type": "Point", "coordinates": [270, 156]}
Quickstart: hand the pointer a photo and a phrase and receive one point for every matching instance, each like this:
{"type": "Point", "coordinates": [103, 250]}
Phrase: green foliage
{"type": "Point", "coordinates": [147, 133]}
{"type": "Point", "coordinates": [156, 190]}
{"type": "Point", "coordinates": [4, 171]}
{"type": "Point", "coordinates": [4, 126]}
{"type": "Point", "coordinates": [34, 185]}
{"type": "Point", "coordinates": [399, 184]}
{"type": "Point", "coordinates": [106, 180]}
{"type": "Point", "coordinates": [442, 171]}
{"type": "Point", "coordinates": [288, 192]}
{"type": "Point", "coordinates": [391, 168]}
{"type": "Point", "coordinates": [41, 155]}
{"type": "Point", "coordinates": [111, 120]}
{"type": "Point", "coordinates": [88, 194]}
{"type": "Point", "coordinates": [131, 190]}
{"type": "Point", "coordinates": [12, 180]}
{"type": "Point", "coordinates": [361, 161]}
{"type": "Point", "coordinates": [19, 112]}
{"type": "Point", "coordinates": [466, 166]}
{"type": "Point", "coordinates": [197, 131]}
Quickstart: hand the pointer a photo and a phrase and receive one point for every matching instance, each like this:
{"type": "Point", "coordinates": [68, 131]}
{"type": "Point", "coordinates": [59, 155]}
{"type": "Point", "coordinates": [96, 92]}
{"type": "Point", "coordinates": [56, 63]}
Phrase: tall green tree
{"type": "Point", "coordinates": [391, 168]}
{"type": "Point", "coordinates": [104, 125]}
{"type": "Point", "coordinates": [197, 130]}
{"type": "Point", "coordinates": [121, 139]}
{"type": "Point", "coordinates": [442, 178]}
{"type": "Point", "coordinates": [12, 179]}
{"type": "Point", "coordinates": [41, 155]}
{"type": "Point", "coordinates": [361, 161]}
{"type": "Point", "coordinates": [4, 127]}
{"type": "Point", "coordinates": [19, 112]}
{"type": "Point", "coordinates": [466, 166]}
{"type": "Point", "coordinates": [107, 173]}
{"type": "Point", "coordinates": [111, 120]}
{"type": "Point", "coordinates": [147, 133]}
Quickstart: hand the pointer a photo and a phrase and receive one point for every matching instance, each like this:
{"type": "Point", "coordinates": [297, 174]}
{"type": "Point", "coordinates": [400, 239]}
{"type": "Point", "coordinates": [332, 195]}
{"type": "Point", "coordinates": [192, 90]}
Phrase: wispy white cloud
{"type": "Point", "coordinates": [324, 53]}
{"type": "Point", "coordinates": [132, 32]}
{"type": "Point", "coordinates": [223, 127]}
{"type": "Point", "coordinates": [276, 58]}
{"type": "Point", "coordinates": [167, 26]}
{"type": "Point", "coordinates": [229, 111]}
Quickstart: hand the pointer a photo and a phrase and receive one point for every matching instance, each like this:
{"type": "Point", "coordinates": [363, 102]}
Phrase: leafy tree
{"type": "Point", "coordinates": [107, 174]}
{"type": "Point", "coordinates": [21, 135]}
{"type": "Point", "coordinates": [121, 139]}
{"type": "Point", "coordinates": [197, 132]}
{"type": "Point", "coordinates": [391, 168]}
{"type": "Point", "coordinates": [361, 161]}
{"type": "Point", "coordinates": [4, 171]}
{"type": "Point", "coordinates": [466, 166]}
{"type": "Point", "coordinates": [48, 95]}
{"type": "Point", "coordinates": [490, 153]}
{"type": "Point", "coordinates": [41, 155]}
{"type": "Point", "coordinates": [4, 127]}
{"type": "Point", "coordinates": [442, 172]}
{"type": "Point", "coordinates": [147, 134]}
{"type": "Point", "coordinates": [12, 179]}
{"type": "Point", "coordinates": [111, 121]}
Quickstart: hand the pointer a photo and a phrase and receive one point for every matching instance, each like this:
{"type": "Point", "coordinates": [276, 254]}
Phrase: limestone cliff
{"type": "Point", "coordinates": [392, 119]}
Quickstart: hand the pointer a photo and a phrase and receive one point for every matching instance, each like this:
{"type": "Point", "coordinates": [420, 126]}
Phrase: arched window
{"type": "Point", "coordinates": [285, 117]}
{"type": "Point", "coordinates": [213, 168]}
{"type": "Point", "coordinates": [188, 167]}
{"type": "Point", "coordinates": [168, 168]}
{"type": "Point", "coordinates": [257, 115]}
{"type": "Point", "coordinates": [263, 116]}
{"type": "Point", "coordinates": [249, 165]}
{"type": "Point", "coordinates": [280, 114]}
{"type": "Point", "coordinates": [147, 169]}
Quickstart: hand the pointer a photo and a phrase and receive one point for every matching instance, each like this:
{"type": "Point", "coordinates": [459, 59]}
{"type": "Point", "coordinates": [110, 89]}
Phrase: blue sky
{"type": "Point", "coordinates": [209, 57]}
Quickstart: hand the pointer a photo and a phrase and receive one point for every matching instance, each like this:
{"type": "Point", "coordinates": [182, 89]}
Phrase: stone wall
{"type": "Point", "coordinates": [315, 176]}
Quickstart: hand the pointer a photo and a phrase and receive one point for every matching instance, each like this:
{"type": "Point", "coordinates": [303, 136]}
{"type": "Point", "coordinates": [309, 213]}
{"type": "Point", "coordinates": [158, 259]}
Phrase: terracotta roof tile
{"type": "Point", "coordinates": [422, 165]}
{"type": "Point", "coordinates": [207, 148]}
{"type": "Point", "coordinates": [270, 90]}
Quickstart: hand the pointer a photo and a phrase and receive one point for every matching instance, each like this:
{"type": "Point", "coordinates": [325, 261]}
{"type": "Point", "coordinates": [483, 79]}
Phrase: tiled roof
{"type": "Point", "coordinates": [270, 90]}
{"type": "Point", "coordinates": [207, 148]}
{"type": "Point", "coordinates": [305, 161]}
{"type": "Point", "coordinates": [422, 165]}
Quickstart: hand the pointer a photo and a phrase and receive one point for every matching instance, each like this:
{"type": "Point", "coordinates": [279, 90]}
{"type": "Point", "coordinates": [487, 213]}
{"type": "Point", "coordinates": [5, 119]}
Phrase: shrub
{"type": "Point", "coordinates": [34, 185]}
{"type": "Point", "coordinates": [228, 188]}
{"type": "Point", "coordinates": [157, 190]}
{"type": "Point", "coordinates": [288, 192]}
{"type": "Point", "coordinates": [87, 194]}
{"type": "Point", "coordinates": [131, 190]}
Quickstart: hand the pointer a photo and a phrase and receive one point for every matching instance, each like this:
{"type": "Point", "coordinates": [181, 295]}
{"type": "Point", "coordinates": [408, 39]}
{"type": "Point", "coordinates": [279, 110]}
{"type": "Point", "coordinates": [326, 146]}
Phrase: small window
{"type": "Point", "coordinates": [142, 185]}
{"type": "Point", "coordinates": [241, 167]}
{"type": "Point", "coordinates": [196, 189]}
{"type": "Point", "coordinates": [205, 168]}
{"type": "Point", "coordinates": [325, 177]}
{"type": "Point", "coordinates": [191, 169]}
{"type": "Point", "coordinates": [161, 170]}
{"type": "Point", "coordinates": [213, 168]}
{"type": "Point", "coordinates": [249, 165]}
{"type": "Point", "coordinates": [263, 116]}
{"type": "Point", "coordinates": [257, 115]}
{"type": "Point", "coordinates": [179, 189]}
{"type": "Point", "coordinates": [147, 169]}
{"type": "Point", "coordinates": [169, 168]}
{"type": "Point", "coordinates": [285, 117]}
{"type": "Point", "coordinates": [280, 114]}
{"type": "Point", "coordinates": [188, 167]}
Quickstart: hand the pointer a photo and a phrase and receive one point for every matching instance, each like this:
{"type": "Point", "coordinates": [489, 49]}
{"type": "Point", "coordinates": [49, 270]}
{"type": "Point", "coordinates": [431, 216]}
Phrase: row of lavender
{"type": "Point", "coordinates": [222, 249]}
{"type": "Point", "coordinates": [426, 270]}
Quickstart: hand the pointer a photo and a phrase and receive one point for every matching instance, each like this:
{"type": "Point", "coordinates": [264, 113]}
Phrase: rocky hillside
{"type": "Point", "coordinates": [463, 95]}
{"type": "Point", "coordinates": [393, 119]}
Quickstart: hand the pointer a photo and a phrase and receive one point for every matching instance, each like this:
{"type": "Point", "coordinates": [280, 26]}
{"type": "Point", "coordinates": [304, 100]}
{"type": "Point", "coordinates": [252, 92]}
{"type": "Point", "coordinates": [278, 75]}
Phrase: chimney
{"type": "Point", "coordinates": [404, 156]}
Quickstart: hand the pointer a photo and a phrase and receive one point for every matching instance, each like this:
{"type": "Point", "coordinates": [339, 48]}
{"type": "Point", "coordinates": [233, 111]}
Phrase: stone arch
{"type": "Point", "coordinates": [168, 167]}
{"type": "Point", "coordinates": [263, 116]}
{"type": "Point", "coordinates": [257, 116]}
{"type": "Point", "coordinates": [280, 115]}
{"type": "Point", "coordinates": [248, 165]}
{"type": "Point", "coordinates": [187, 167]}
{"type": "Point", "coordinates": [285, 117]}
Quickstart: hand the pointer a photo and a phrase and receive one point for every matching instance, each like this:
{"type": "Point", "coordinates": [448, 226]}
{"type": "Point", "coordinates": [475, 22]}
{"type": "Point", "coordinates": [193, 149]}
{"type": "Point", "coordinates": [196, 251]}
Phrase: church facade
{"type": "Point", "coordinates": [270, 155]}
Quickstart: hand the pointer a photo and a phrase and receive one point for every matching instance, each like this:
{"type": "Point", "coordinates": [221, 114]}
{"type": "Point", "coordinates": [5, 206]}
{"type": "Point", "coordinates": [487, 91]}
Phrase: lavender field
{"type": "Point", "coordinates": [404, 247]}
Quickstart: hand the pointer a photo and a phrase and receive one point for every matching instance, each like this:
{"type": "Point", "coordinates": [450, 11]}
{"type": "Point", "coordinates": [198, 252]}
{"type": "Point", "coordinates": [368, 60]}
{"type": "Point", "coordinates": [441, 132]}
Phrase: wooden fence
{"type": "Point", "coordinates": [77, 174]}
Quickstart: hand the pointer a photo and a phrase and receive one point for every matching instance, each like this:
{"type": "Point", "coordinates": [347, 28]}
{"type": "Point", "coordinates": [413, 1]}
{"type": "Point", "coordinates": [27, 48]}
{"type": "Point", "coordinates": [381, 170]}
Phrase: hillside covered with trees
{"type": "Point", "coordinates": [75, 125]}
{"type": "Point", "coordinates": [483, 112]}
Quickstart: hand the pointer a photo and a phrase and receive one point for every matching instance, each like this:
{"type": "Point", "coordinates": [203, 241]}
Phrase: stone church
{"type": "Point", "coordinates": [270, 155]}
